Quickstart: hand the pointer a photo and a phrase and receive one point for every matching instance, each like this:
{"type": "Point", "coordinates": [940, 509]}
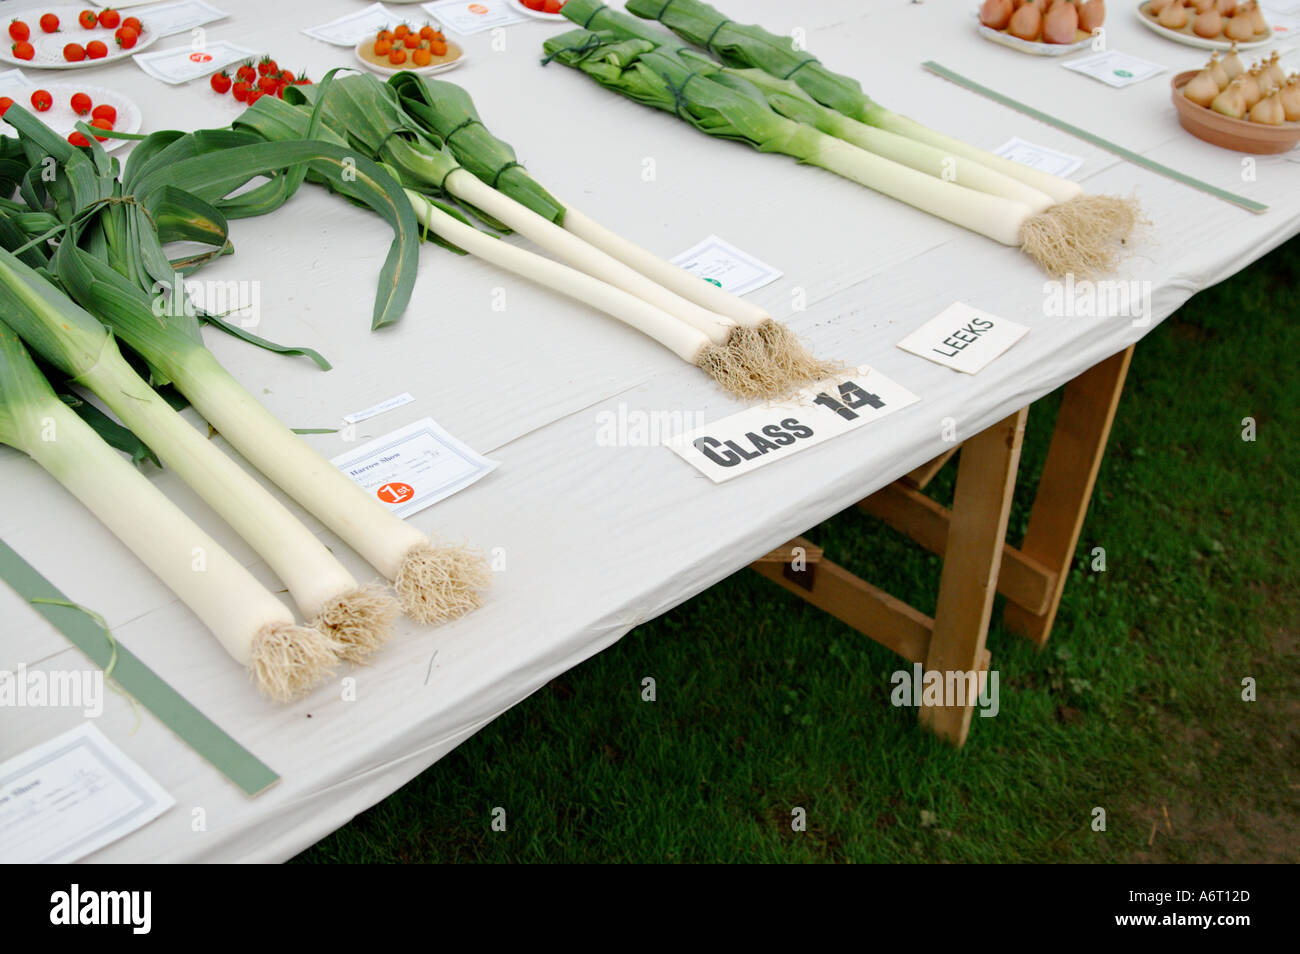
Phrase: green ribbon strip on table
{"type": "Point", "coordinates": [1248, 204]}
{"type": "Point", "coordinates": [194, 728]}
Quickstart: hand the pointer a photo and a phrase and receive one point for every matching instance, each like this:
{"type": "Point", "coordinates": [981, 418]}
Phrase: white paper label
{"type": "Point", "coordinates": [184, 63]}
{"type": "Point", "coordinates": [15, 81]}
{"type": "Point", "coordinates": [470, 18]}
{"type": "Point", "coordinates": [414, 467]}
{"type": "Point", "coordinates": [355, 27]}
{"type": "Point", "coordinates": [168, 19]}
{"type": "Point", "coordinates": [963, 338]}
{"type": "Point", "coordinates": [762, 435]}
{"type": "Point", "coordinates": [73, 795]}
{"type": "Point", "coordinates": [720, 263]}
{"type": "Point", "coordinates": [1039, 157]}
{"type": "Point", "coordinates": [1115, 68]}
{"type": "Point", "coordinates": [383, 407]}
{"type": "Point", "coordinates": [1283, 16]}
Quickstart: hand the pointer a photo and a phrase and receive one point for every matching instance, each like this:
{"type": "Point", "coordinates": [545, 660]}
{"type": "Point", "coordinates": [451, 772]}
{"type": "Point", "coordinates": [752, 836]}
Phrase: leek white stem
{"type": "Point", "coordinates": [962, 170]}
{"type": "Point", "coordinates": [585, 256]}
{"type": "Point", "coordinates": [354, 515]}
{"type": "Point", "coordinates": [394, 547]}
{"type": "Point", "coordinates": [686, 342]}
{"type": "Point", "coordinates": [312, 574]}
{"type": "Point", "coordinates": [1062, 190]}
{"type": "Point", "coordinates": [673, 277]}
{"type": "Point", "coordinates": [246, 618]}
{"type": "Point", "coordinates": [992, 216]}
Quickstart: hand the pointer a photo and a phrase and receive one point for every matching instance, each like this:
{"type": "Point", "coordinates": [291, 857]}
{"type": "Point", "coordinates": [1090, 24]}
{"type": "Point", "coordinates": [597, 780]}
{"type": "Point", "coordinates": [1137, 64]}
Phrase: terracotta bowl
{"type": "Point", "coordinates": [1238, 134]}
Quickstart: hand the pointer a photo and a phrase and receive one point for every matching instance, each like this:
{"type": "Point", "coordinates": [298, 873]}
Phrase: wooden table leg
{"type": "Point", "coordinates": [1064, 490]}
{"type": "Point", "coordinates": [986, 480]}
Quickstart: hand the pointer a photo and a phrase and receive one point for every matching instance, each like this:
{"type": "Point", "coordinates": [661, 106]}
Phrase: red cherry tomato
{"type": "Point", "coordinates": [81, 103]}
{"type": "Point", "coordinates": [50, 23]}
{"type": "Point", "coordinates": [42, 100]}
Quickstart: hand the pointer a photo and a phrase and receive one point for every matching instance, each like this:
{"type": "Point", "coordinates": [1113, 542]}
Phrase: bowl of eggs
{"type": "Point", "coordinates": [1248, 110]}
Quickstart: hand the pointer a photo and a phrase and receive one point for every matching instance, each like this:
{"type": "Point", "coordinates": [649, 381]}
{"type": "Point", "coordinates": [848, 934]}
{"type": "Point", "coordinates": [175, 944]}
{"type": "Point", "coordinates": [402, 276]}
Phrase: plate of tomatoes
{"type": "Point", "coordinates": [69, 38]}
{"type": "Point", "coordinates": [541, 9]}
{"type": "Point", "coordinates": [61, 105]}
{"type": "Point", "coordinates": [414, 49]}
{"type": "Point", "coordinates": [251, 81]}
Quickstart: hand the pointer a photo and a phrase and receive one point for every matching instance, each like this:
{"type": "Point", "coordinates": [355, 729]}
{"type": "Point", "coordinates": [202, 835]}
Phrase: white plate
{"type": "Point", "coordinates": [429, 70]}
{"type": "Point", "coordinates": [49, 46]}
{"type": "Point", "coordinates": [1032, 47]}
{"type": "Point", "coordinates": [1191, 39]}
{"type": "Point", "coordinates": [63, 120]}
{"type": "Point", "coordinates": [535, 14]}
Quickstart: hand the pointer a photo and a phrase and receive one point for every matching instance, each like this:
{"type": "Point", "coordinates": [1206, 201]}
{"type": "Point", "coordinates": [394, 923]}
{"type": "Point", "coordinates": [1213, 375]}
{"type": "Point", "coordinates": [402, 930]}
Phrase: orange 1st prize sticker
{"type": "Point", "coordinates": [395, 492]}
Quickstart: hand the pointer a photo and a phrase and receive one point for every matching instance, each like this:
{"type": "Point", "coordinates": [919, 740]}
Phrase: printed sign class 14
{"type": "Point", "coordinates": [731, 452]}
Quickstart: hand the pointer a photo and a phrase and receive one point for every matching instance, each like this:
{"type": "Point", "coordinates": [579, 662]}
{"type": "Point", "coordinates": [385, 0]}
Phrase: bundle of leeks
{"type": "Point", "coordinates": [781, 99]}
{"type": "Point", "coordinates": [369, 116]}
{"type": "Point", "coordinates": [109, 251]}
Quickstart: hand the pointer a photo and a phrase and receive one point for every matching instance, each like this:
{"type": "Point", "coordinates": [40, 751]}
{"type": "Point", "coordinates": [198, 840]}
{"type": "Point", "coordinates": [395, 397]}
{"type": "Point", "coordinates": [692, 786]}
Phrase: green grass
{"type": "Point", "coordinates": [1135, 705]}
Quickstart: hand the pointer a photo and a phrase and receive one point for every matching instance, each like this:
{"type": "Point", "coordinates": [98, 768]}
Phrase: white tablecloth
{"type": "Point", "coordinates": [596, 539]}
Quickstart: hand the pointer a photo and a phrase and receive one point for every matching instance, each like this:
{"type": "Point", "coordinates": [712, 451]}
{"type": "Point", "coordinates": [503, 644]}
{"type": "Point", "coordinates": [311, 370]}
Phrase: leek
{"type": "Point", "coordinates": [729, 106]}
{"type": "Point", "coordinates": [746, 45]}
{"type": "Point", "coordinates": [368, 114]}
{"type": "Point", "coordinates": [365, 115]}
{"type": "Point", "coordinates": [257, 630]}
{"type": "Point", "coordinates": [656, 76]}
{"type": "Point", "coordinates": [356, 618]}
{"type": "Point", "coordinates": [434, 582]}
{"type": "Point", "coordinates": [447, 111]}
{"type": "Point", "coordinates": [1079, 234]}
{"type": "Point", "coordinates": [173, 177]}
